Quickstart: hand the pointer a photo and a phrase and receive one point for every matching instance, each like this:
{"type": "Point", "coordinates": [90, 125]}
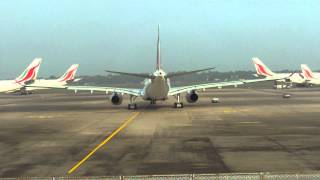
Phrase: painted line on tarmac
{"type": "Point", "coordinates": [131, 118]}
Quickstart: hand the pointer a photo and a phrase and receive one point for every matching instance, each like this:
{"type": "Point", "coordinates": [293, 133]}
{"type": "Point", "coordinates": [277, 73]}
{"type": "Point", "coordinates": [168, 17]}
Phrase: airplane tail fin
{"type": "Point", "coordinates": [158, 66]}
{"type": "Point", "coordinates": [261, 68]}
{"type": "Point", "coordinates": [30, 73]}
{"type": "Point", "coordinates": [70, 74]}
{"type": "Point", "coordinates": [306, 71]}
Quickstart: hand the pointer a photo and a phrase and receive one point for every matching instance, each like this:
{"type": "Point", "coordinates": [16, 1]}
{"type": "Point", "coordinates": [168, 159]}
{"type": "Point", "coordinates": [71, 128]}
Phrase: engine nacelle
{"type": "Point", "coordinates": [116, 99]}
{"type": "Point", "coordinates": [192, 97]}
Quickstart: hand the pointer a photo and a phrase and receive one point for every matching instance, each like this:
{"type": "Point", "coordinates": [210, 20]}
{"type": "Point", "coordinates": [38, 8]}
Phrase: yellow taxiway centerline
{"type": "Point", "coordinates": [104, 142]}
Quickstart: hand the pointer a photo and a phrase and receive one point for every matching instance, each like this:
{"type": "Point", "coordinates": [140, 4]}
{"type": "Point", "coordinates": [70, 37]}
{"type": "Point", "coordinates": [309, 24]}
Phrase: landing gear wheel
{"type": "Point", "coordinates": [23, 91]}
{"type": "Point", "coordinates": [132, 106]}
{"type": "Point", "coordinates": [178, 105]}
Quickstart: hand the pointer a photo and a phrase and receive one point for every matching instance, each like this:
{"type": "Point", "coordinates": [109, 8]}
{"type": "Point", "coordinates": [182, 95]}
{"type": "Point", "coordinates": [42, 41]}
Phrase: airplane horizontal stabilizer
{"type": "Point", "coordinates": [141, 75]}
{"type": "Point", "coordinates": [169, 75]}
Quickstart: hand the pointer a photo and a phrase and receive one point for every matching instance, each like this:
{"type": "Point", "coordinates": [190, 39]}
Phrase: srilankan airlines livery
{"type": "Point", "coordinates": [27, 77]}
{"type": "Point", "coordinates": [312, 78]}
{"type": "Point", "coordinates": [285, 79]}
{"type": "Point", "coordinates": [157, 86]}
{"type": "Point", "coordinates": [68, 76]}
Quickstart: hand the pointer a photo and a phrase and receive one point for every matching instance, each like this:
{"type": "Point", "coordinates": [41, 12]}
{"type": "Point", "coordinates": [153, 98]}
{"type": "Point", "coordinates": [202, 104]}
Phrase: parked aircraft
{"type": "Point", "coordinates": [27, 77]}
{"type": "Point", "coordinates": [68, 76]}
{"type": "Point", "coordinates": [157, 86]}
{"type": "Point", "coordinates": [312, 78]}
{"type": "Point", "coordinates": [285, 80]}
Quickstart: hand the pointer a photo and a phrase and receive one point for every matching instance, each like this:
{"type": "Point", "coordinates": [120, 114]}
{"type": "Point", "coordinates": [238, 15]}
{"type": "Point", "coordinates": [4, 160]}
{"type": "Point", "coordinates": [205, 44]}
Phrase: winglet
{"type": "Point", "coordinates": [30, 73]}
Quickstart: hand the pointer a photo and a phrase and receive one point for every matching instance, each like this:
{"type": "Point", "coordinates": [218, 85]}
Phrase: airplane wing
{"type": "Point", "coordinates": [178, 90]}
{"type": "Point", "coordinates": [129, 91]}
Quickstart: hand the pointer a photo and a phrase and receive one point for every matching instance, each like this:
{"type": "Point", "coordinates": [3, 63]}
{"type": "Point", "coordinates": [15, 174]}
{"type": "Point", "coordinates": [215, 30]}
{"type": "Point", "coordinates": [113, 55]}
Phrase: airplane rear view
{"type": "Point", "coordinates": [157, 85]}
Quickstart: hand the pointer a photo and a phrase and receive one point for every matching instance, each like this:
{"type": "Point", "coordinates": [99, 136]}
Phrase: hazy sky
{"type": "Point", "coordinates": [121, 35]}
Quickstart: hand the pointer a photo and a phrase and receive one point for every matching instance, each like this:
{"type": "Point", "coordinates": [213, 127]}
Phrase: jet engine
{"type": "Point", "coordinates": [116, 99]}
{"type": "Point", "coordinates": [192, 97]}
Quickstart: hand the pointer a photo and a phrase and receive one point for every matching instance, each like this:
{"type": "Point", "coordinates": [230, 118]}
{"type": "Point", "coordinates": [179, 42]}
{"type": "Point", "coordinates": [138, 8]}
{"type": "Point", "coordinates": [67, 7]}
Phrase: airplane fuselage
{"type": "Point", "coordinates": [9, 86]}
{"type": "Point", "coordinates": [283, 77]}
{"type": "Point", "coordinates": [45, 83]}
{"type": "Point", "coordinates": [294, 78]}
{"type": "Point", "coordinates": [156, 88]}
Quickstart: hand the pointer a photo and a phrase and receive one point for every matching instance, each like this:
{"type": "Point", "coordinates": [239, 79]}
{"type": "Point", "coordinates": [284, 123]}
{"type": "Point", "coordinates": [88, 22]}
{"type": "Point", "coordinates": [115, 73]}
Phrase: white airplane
{"type": "Point", "coordinates": [27, 77]}
{"type": "Point", "coordinates": [312, 78]}
{"type": "Point", "coordinates": [284, 79]}
{"type": "Point", "coordinates": [68, 76]}
{"type": "Point", "coordinates": [157, 86]}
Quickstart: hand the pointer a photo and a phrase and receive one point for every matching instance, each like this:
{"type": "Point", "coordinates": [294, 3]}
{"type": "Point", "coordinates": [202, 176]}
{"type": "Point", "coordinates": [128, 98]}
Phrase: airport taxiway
{"type": "Point", "coordinates": [250, 130]}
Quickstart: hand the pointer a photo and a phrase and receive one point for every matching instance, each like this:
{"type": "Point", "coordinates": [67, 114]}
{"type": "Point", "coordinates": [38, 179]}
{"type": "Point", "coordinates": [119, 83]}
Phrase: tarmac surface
{"type": "Point", "coordinates": [250, 130]}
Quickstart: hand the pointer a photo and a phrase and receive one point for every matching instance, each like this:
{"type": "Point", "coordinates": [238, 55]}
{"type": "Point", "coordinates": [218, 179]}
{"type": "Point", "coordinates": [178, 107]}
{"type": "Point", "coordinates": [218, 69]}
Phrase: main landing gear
{"type": "Point", "coordinates": [132, 105]}
{"type": "Point", "coordinates": [178, 104]}
{"type": "Point", "coordinates": [153, 101]}
{"type": "Point", "coordinates": [24, 91]}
